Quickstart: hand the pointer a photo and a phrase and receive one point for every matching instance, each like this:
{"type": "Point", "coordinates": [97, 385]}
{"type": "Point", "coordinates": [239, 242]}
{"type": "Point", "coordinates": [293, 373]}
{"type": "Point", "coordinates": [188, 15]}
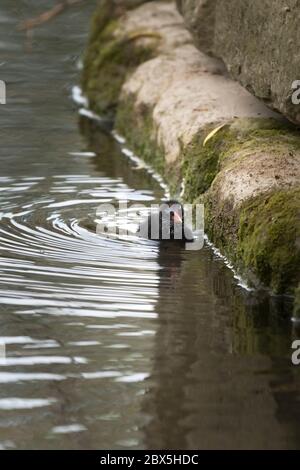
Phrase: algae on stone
{"type": "Point", "coordinates": [247, 174]}
{"type": "Point", "coordinates": [269, 239]}
{"type": "Point", "coordinates": [238, 137]}
{"type": "Point", "coordinates": [260, 234]}
{"type": "Point", "coordinates": [110, 57]}
{"type": "Point", "coordinates": [136, 125]}
{"type": "Point", "coordinates": [261, 237]}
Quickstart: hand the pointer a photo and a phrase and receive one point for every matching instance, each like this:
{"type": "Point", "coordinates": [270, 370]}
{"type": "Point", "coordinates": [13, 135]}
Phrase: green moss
{"type": "Point", "coordinates": [201, 163]}
{"type": "Point", "coordinates": [268, 238]}
{"type": "Point", "coordinates": [136, 125]}
{"type": "Point", "coordinates": [109, 59]}
{"type": "Point", "coordinates": [103, 15]}
{"type": "Point", "coordinates": [261, 237]}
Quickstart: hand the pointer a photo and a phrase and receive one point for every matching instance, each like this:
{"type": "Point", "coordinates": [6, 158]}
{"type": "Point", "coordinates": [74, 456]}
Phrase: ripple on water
{"type": "Point", "coordinates": [55, 270]}
{"type": "Point", "coordinates": [114, 343]}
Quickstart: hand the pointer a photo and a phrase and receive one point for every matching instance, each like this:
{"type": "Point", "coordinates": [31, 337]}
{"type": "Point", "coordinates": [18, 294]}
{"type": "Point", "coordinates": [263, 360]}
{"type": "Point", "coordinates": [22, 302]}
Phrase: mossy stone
{"type": "Point", "coordinates": [109, 59]}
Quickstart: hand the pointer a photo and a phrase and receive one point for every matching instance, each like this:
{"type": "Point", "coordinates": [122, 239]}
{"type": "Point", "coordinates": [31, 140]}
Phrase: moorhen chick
{"type": "Point", "coordinates": [166, 224]}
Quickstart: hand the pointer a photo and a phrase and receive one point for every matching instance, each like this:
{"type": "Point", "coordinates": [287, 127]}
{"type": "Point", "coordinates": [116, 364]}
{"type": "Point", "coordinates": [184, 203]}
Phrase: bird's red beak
{"type": "Point", "coordinates": [177, 218]}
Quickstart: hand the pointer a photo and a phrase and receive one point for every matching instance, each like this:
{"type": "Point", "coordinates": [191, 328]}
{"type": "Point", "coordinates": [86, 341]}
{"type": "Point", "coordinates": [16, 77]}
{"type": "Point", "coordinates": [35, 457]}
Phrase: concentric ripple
{"type": "Point", "coordinates": [115, 343]}
{"type": "Point", "coordinates": [54, 237]}
{"type": "Point", "coordinates": [86, 301]}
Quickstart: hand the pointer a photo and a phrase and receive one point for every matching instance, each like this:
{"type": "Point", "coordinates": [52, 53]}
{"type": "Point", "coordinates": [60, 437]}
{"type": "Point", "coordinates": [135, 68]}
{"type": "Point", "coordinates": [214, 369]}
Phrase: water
{"type": "Point", "coordinates": [115, 344]}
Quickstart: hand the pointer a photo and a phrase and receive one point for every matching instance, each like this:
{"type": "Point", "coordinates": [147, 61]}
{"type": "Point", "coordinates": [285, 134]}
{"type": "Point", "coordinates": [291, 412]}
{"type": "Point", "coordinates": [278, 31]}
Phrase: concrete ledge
{"type": "Point", "coordinates": [257, 40]}
{"type": "Point", "coordinates": [168, 97]}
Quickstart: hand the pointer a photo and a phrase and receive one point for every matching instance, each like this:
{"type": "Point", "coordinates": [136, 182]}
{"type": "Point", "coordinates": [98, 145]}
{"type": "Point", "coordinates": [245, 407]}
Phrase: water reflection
{"type": "Point", "coordinates": [115, 344]}
{"type": "Point", "coordinates": [221, 375]}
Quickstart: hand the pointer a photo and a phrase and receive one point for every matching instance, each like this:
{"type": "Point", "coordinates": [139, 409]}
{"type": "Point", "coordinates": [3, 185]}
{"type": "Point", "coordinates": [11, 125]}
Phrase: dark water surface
{"type": "Point", "coordinates": [115, 344]}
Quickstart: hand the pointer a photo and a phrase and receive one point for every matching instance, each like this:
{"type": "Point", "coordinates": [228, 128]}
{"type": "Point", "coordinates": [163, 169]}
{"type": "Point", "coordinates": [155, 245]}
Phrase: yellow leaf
{"type": "Point", "coordinates": [212, 133]}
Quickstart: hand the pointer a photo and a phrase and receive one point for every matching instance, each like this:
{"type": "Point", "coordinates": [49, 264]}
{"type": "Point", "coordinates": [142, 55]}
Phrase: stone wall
{"type": "Point", "coordinates": [258, 40]}
{"type": "Point", "coordinates": [180, 111]}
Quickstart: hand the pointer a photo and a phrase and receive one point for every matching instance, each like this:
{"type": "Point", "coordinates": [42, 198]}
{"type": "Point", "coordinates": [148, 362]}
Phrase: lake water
{"type": "Point", "coordinates": [111, 343]}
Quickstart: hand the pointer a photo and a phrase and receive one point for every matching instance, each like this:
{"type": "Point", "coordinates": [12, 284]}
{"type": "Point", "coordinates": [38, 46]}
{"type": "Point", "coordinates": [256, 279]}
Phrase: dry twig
{"type": "Point", "coordinates": [46, 16]}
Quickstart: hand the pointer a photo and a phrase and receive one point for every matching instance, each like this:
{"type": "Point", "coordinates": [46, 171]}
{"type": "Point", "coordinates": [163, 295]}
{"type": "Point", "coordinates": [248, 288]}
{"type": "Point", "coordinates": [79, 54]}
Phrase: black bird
{"type": "Point", "coordinates": [166, 224]}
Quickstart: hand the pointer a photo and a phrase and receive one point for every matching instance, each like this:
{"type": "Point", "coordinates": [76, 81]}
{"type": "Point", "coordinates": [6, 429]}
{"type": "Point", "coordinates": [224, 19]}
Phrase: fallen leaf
{"type": "Point", "coordinates": [212, 133]}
